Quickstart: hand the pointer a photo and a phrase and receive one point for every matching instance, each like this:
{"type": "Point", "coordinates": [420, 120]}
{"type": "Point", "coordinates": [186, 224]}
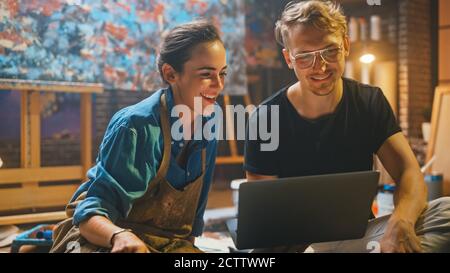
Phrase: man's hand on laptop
{"type": "Point", "coordinates": [400, 237]}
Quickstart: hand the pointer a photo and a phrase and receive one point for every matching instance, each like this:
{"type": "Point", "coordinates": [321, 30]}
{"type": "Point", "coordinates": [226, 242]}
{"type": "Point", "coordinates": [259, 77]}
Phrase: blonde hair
{"type": "Point", "coordinates": [324, 15]}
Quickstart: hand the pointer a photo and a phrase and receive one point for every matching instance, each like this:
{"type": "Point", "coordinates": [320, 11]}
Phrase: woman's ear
{"type": "Point", "coordinates": [169, 73]}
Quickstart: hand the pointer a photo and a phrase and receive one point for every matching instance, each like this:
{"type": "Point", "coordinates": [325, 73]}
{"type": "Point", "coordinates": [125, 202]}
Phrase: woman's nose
{"type": "Point", "coordinates": [217, 82]}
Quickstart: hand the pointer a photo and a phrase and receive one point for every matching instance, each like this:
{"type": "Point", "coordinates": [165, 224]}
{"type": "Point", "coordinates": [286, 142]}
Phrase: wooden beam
{"type": "Point", "coordinates": [24, 129]}
{"type": "Point", "coordinates": [50, 86]}
{"type": "Point", "coordinates": [43, 197]}
{"type": "Point", "coordinates": [33, 159]}
{"type": "Point", "coordinates": [229, 160]}
{"type": "Point", "coordinates": [33, 218]}
{"type": "Point", "coordinates": [42, 174]}
{"type": "Point", "coordinates": [86, 131]}
{"type": "Point", "coordinates": [35, 129]}
{"type": "Point", "coordinates": [248, 101]}
{"type": "Point", "coordinates": [230, 128]}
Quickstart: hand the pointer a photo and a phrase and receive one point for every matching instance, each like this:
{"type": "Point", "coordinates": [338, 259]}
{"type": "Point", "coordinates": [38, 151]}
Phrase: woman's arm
{"type": "Point", "coordinates": [99, 230]}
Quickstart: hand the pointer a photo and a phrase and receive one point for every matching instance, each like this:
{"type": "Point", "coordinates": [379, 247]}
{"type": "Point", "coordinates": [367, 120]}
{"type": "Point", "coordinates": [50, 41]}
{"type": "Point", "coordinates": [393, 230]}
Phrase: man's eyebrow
{"type": "Point", "coordinates": [308, 51]}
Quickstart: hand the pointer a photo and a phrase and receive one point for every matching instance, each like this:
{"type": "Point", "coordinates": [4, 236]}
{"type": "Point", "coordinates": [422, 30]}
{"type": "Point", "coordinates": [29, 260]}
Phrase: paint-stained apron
{"type": "Point", "coordinates": [162, 218]}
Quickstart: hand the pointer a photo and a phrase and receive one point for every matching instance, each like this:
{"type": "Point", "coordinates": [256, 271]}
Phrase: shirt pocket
{"type": "Point", "coordinates": [176, 175]}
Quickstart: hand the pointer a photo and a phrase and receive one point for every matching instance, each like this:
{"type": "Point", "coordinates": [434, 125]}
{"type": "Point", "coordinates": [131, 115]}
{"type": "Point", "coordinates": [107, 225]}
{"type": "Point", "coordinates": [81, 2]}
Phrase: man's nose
{"type": "Point", "coordinates": [319, 63]}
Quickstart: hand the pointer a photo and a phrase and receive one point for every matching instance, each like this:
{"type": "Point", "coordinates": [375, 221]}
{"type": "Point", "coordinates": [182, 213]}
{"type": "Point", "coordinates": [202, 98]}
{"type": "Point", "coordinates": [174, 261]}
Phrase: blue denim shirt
{"type": "Point", "coordinates": [130, 155]}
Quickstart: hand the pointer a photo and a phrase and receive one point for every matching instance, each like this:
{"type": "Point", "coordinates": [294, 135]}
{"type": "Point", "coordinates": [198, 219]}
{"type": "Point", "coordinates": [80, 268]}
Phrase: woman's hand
{"type": "Point", "coordinates": [127, 242]}
{"type": "Point", "coordinates": [98, 230]}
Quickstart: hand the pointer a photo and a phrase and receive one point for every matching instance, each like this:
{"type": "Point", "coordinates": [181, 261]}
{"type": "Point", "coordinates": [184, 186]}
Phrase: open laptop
{"type": "Point", "coordinates": [303, 210]}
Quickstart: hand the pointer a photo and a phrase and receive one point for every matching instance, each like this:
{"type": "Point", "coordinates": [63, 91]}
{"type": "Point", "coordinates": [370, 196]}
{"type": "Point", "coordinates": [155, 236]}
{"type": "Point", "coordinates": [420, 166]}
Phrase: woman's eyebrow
{"type": "Point", "coordinates": [206, 68]}
{"type": "Point", "coordinates": [210, 68]}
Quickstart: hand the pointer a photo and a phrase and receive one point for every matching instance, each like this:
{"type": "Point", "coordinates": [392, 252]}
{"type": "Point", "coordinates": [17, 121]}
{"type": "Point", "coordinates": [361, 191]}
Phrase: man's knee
{"type": "Point", "coordinates": [435, 242]}
{"type": "Point", "coordinates": [433, 226]}
{"type": "Point", "coordinates": [442, 204]}
{"type": "Point", "coordinates": [445, 200]}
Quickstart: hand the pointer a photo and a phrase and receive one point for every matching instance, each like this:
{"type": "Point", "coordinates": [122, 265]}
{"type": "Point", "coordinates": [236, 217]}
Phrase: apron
{"type": "Point", "coordinates": [162, 218]}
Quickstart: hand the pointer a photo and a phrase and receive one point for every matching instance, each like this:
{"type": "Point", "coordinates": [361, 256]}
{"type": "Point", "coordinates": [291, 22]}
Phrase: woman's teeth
{"type": "Point", "coordinates": [211, 97]}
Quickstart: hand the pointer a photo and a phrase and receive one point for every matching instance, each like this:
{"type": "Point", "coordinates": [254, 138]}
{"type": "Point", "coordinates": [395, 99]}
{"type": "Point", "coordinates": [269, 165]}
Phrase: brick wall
{"type": "Point", "coordinates": [415, 68]}
{"type": "Point", "coordinates": [66, 151]}
{"type": "Point", "coordinates": [106, 105]}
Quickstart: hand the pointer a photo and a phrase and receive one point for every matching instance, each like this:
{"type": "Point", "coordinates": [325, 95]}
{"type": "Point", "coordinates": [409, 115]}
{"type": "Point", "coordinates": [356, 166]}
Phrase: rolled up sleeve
{"type": "Point", "coordinates": [119, 177]}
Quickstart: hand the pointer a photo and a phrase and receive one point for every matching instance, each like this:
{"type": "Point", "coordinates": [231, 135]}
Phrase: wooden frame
{"type": "Point", "coordinates": [442, 160]}
{"type": "Point", "coordinates": [234, 158]}
{"type": "Point", "coordinates": [32, 195]}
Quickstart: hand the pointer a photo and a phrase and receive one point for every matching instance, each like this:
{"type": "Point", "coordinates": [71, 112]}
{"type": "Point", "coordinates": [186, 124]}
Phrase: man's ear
{"type": "Point", "coordinates": [287, 58]}
{"type": "Point", "coordinates": [346, 46]}
{"type": "Point", "coordinates": [169, 73]}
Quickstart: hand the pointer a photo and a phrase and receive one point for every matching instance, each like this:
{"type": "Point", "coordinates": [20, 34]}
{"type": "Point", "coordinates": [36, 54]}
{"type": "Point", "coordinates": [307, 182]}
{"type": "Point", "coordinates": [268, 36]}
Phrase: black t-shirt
{"type": "Point", "coordinates": [343, 141]}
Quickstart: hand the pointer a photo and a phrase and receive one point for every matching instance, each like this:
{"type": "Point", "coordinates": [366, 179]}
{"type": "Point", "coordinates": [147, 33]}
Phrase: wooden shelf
{"type": "Point", "coordinates": [33, 218]}
{"type": "Point", "coordinates": [30, 193]}
{"type": "Point", "coordinates": [51, 86]}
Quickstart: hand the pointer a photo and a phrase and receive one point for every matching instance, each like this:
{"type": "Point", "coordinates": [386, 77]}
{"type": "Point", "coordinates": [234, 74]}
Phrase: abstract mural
{"type": "Point", "coordinates": [112, 42]}
{"type": "Point", "coordinates": [260, 44]}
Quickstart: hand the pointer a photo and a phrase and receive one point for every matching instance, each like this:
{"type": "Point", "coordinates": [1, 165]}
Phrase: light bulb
{"type": "Point", "coordinates": [367, 58]}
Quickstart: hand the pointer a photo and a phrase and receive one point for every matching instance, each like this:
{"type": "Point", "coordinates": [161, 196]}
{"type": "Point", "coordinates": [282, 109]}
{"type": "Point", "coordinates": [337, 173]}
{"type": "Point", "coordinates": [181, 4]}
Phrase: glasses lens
{"type": "Point", "coordinates": [331, 55]}
{"type": "Point", "coordinates": [305, 60]}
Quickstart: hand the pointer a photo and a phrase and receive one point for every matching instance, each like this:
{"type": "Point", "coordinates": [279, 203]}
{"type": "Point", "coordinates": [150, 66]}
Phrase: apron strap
{"type": "Point", "coordinates": [167, 139]}
{"type": "Point", "coordinates": [203, 160]}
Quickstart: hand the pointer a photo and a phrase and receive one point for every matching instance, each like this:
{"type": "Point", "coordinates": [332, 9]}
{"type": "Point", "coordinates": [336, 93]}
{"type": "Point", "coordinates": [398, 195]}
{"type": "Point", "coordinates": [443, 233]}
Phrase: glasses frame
{"type": "Point", "coordinates": [315, 53]}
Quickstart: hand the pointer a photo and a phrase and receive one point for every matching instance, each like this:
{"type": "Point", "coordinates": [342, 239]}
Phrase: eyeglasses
{"type": "Point", "coordinates": [307, 60]}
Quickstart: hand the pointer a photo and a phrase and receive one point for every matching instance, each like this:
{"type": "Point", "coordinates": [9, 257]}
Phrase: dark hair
{"type": "Point", "coordinates": [176, 47]}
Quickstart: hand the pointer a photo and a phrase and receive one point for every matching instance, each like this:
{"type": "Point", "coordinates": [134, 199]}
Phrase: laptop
{"type": "Point", "coordinates": [303, 210]}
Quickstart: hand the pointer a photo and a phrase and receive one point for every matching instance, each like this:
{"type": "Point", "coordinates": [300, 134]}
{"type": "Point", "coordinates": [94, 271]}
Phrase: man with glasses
{"type": "Point", "coordinates": [330, 124]}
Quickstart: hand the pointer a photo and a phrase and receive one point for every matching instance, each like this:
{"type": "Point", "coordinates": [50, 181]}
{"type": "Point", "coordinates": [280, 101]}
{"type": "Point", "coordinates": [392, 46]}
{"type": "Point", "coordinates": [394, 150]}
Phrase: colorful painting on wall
{"type": "Point", "coordinates": [260, 43]}
{"type": "Point", "coordinates": [112, 42]}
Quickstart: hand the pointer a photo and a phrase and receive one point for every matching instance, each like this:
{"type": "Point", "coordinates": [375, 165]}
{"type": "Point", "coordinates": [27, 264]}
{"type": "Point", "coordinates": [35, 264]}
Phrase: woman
{"type": "Point", "coordinates": [148, 191]}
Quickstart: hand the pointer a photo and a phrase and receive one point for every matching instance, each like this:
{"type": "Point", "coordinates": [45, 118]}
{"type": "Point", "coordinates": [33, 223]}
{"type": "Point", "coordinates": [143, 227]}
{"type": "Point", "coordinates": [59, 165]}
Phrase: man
{"type": "Point", "coordinates": [329, 124]}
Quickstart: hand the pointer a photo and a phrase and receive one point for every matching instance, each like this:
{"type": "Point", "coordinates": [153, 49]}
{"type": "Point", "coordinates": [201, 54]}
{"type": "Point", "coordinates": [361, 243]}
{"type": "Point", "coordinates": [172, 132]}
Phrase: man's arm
{"type": "Point", "coordinates": [410, 197]}
{"type": "Point", "coordinates": [254, 176]}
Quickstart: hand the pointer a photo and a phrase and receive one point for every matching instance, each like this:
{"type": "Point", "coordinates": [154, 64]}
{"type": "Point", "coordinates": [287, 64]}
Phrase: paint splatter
{"type": "Point", "coordinates": [111, 41]}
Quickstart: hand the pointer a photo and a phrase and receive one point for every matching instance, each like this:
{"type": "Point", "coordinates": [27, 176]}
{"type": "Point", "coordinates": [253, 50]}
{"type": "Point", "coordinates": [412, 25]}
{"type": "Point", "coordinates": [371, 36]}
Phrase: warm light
{"type": "Point", "coordinates": [367, 58]}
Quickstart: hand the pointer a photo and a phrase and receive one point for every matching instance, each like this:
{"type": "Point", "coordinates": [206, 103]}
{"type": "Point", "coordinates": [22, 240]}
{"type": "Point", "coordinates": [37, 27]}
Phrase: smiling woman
{"type": "Point", "coordinates": [148, 191]}
{"type": "Point", "coordinates": [203, 75]}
